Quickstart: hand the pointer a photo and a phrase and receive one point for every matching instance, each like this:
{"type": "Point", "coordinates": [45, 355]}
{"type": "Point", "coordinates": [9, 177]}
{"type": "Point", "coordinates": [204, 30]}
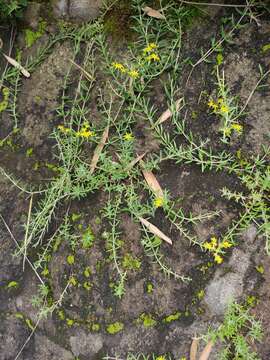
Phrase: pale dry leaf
{"type": "Point", "coordinates": [167, 113]}
{"type": "Point", "coordinates": [15, 63]}
{"type": "Point", "coordinates": [152, 182]}
{"type": "Point", "coordinates": [86, 74]}
{"type": "Point", "coordinates": [135, 161]}
{"type": "Point", "coordinates": [99, 149]}
{"type": "Point", "coordinates": [194, 349]}
{"type": "Point", "coordinates": [155, 231]}
{"type": "Point", "coordinates": [206, 351]}
{"type": "Point", "coordinates": [153, 13]}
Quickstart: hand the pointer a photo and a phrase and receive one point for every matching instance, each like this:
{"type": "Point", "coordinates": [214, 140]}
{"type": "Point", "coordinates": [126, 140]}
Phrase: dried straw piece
{"type": "Point", "coordinates": [152, 182]}
{"type": "Point", "coordinates": [206, 351]}
{"type": "Point", "coordinates": [167, 113]}
{"type": "Point", "coordinates": [194, 349]}
{"type": "Point", "coordinates": [155, 231]}
{"type": "Point", "coordinates": [99, 149]}
{"type": "Point", "coordinates": [153, 13]}
{"type": "Point", "coordinates": [15, 63]}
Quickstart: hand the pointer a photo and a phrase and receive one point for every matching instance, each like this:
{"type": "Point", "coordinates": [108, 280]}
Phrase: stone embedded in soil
{"type": "Point", "coordinates": [77, 10]}
{"type": "Point", "coordinates": [229, 286]}
{"type": "Point", "coordinates": [133, 339]}
{"type": "Point", "coordinates": [46, 349]}
{"type": "Point", "coordinates": [85, 344]}
{"type": "Point", "coordinates": [223, 290]}
{"type": "Point", "coordinates": [38, 100]}
{"type": "Point", "coordinates": [10, 266]}
{"type": "Point", "coordinates": [32, 15]}
{"type": "Point", "coordinates": [13, 333]}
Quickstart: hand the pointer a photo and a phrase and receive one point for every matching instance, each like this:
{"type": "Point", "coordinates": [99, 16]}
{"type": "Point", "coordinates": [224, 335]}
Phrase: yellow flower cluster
{"type": "Point", "coordinates": [153, 57]}
{"type": "Point", "coordinates": [120, 67]}
{"type": "Point", "coordinates": [158, 202]}
{"type": "Point", "coordinates": [84, 132]}
{"type": "Point", "coordinates": [219, 106]}
{"type": "Point", "coordinates": [216, 248]}
{"type": "Point", "coordinates": [150, 53]}
{"type": "Point", "coordinates": [4, 102]}
{"type": "Point", "coordinates": [161, 357]}
{"type": "Point", "coordinates": [150, 48]}
{"type": "Point", "coordinates": [134, 74]}
{"type": "Point", "coordinates": [238, 128]}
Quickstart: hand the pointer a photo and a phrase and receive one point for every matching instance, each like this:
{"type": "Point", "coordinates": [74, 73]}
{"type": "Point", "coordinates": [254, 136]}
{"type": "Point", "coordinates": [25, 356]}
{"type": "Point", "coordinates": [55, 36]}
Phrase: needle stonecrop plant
{"type": "Point", "coordinates": [124, 100]}
{"type": "Point", "coordinates": [237, 333]}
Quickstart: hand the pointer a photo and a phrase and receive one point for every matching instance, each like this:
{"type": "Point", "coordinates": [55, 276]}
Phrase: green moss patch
{"type": "Point", "coordinates": [146, 320]}
{"type": "Point", "coordinates": [115, 328]}
{"type": "Point", "coordinates": [32, 36]}
{"type": "Point", "coordinates": [172, 317]}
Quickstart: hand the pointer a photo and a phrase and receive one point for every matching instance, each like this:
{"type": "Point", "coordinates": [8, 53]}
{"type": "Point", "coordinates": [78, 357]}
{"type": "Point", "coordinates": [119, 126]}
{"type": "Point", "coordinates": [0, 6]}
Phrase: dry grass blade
{"type": "Point", "coordinates": [18, 245]}
{"type": "Point", "coordinates": [26, 240]}
{"type": "Point", "coordinates": [135, 161]}
{"type": "Point", "coordinates": [206, 351]}
{"type": "Point", "coordinates": [152, 182]}
{"type": "Point", "coordinates": [194, 349]}
{"type": "Point", "coordinates": [167, 114]}
{"type": "Point", "coordinates": [155, 231]}
{"type": "Point", "coordinates": [15, 63]}
{"type": "Point", "coordinates": [99, 149]}
{"type": "Point", "coordinates": [86, 74]}
{"type": "Point", "coordinates": [153, 13]}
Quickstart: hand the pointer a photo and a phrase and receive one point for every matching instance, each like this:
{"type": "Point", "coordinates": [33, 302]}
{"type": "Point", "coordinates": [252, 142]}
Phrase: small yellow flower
{"type": "Point", "coordinates": [237, 127]}
{"type": "Point", "coordinates": [150, 48]}
{"type": "Point", "coordinates": [128, 136]}
{"type": "Point", "coordinates": [214, 241]}
{"type": "Point", "coordinates": [133, 74]}
{"type": "Point", "coordinates": [226, 244]}
{"type": "Point", "coordinates": [218, 259]}
{"type": "Point", "coordinates": [153, 57]}
{"type": "Point", "coordinates": [85, 133]}
{"type": "Point", "coordinates": [158, 202]}
{"type": "Point", "coordinates": [119, 66]}
{"type": "Point", "coordinates": [63, 129]}
{"type": "Point", "coordinates": [161, 358]}
{"type": "Point", "coordinates": [208, 246]}
{"type": "Point", "coordinates": [212, 105]}
{"type": "Point", "coordinates": [224, 109]}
